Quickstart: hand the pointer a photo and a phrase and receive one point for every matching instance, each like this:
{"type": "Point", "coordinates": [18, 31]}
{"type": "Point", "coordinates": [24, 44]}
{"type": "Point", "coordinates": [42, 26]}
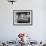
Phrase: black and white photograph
{"type": "Point", "coordinates": [22, 17]}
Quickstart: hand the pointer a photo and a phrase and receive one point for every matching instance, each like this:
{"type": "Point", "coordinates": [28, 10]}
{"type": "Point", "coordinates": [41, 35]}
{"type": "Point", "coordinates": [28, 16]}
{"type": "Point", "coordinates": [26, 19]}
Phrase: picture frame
{"type": "Point", "coordinates": [22, 17]}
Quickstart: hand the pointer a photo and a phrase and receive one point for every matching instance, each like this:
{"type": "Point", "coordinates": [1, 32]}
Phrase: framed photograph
{"type": "Point", "coordinates": [22, 17]}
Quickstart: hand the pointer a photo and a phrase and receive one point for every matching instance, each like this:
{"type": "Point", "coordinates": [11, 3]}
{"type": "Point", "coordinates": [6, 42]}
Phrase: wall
{"type": "Point", "coordinates": [38, 29]}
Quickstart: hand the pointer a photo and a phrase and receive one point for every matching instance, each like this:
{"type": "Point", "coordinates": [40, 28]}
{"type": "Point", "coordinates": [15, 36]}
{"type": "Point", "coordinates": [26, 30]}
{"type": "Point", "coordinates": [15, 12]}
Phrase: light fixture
{"type": "Point", "coordinates": [12, 1]}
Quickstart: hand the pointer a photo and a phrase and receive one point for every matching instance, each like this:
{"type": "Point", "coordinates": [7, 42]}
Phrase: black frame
{"type": "Point", "coordinates": [23, 10]}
